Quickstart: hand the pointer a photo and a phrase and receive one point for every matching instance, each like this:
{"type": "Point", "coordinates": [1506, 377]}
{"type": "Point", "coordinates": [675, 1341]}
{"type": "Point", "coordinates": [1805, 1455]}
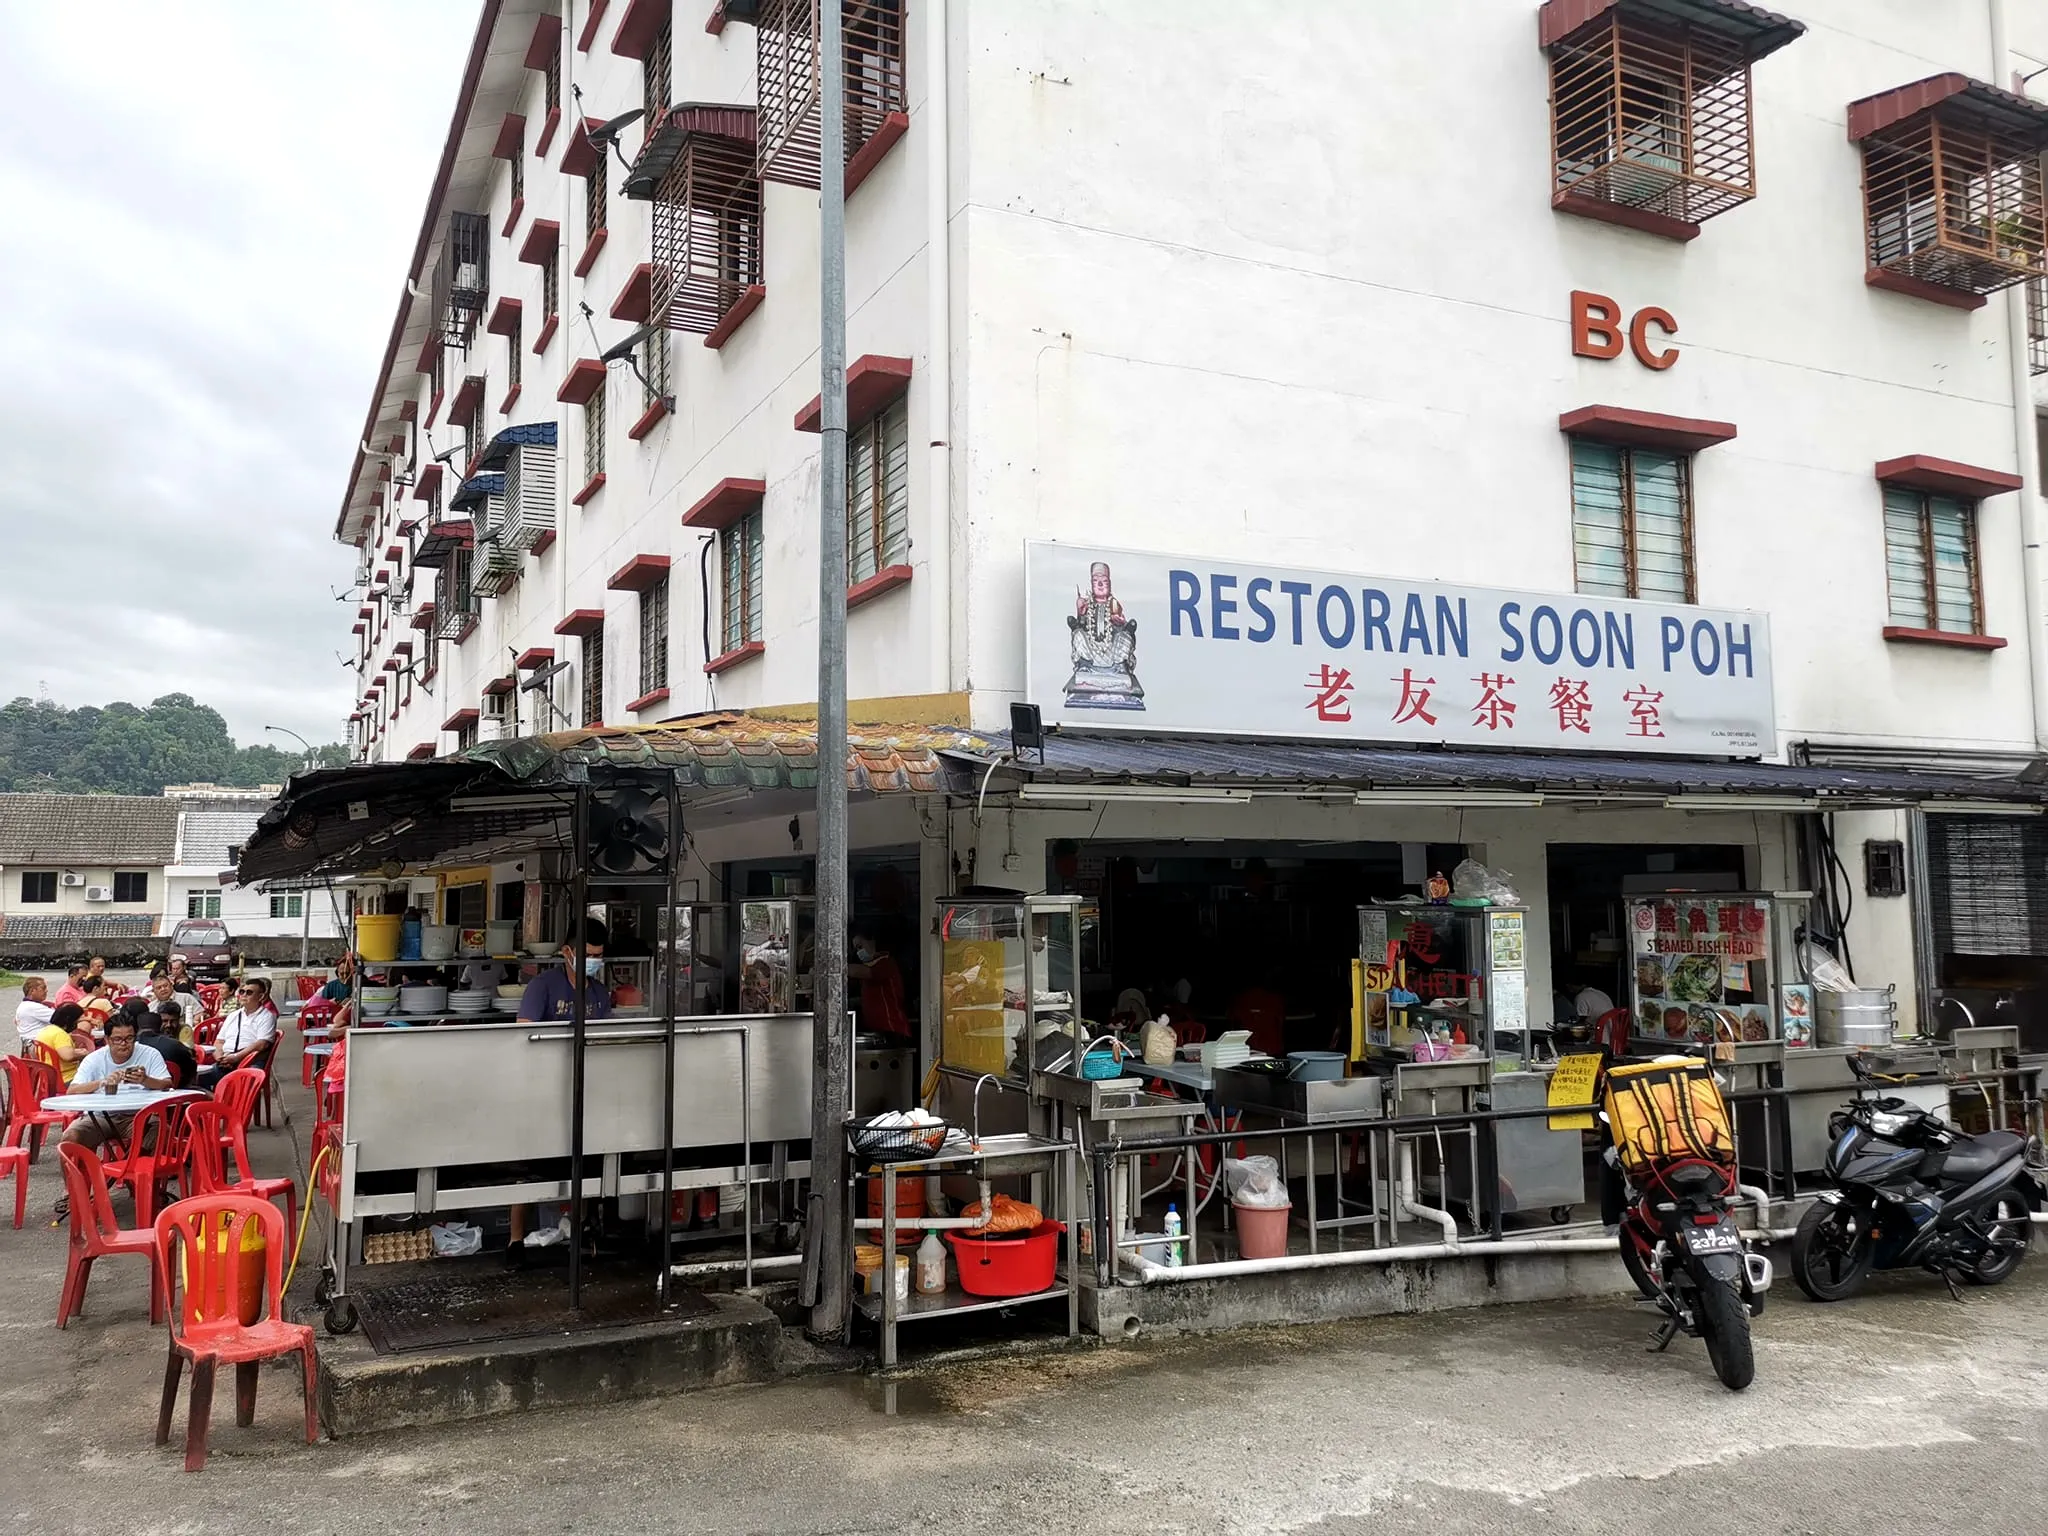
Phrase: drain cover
{"type": "Point", "coordinates": [476, 1305]}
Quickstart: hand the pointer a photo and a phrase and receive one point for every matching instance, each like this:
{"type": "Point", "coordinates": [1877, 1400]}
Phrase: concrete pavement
{"type": "Point", "coordinates": [1903, 1409]}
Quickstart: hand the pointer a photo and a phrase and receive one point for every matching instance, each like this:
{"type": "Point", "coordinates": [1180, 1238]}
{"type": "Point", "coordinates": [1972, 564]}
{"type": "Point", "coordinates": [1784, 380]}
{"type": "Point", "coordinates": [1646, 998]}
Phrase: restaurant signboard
{"type": "Point", "coordinates": [1128, 640]}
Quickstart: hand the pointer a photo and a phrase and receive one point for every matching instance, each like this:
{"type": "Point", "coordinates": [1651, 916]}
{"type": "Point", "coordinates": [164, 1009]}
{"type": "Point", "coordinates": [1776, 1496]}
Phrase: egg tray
{"type": "Point", "coordinates": [398, 1247]}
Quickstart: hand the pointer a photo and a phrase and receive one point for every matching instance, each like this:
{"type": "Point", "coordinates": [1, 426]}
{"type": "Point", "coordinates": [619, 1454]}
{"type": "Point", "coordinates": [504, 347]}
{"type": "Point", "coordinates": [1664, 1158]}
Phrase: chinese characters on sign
{"type": "Point", "coordinates": [1136, 641]}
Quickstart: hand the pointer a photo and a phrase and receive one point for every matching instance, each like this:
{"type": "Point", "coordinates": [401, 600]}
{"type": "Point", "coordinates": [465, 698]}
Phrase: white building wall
{"type": "Point", "coordinates": [1296, 293]}
{"type": "Point", "coordinates": [72, 900]}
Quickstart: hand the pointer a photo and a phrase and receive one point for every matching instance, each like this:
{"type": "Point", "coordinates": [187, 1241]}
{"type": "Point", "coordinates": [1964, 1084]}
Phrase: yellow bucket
{"type": "Point", "coordinates": [377, 935]}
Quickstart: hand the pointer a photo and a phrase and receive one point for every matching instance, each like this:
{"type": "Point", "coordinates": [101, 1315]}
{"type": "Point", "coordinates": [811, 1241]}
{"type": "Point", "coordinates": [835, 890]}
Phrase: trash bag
{"type": "Point", "coordinates": [454, 1240]}
{"type": "Point", "coordinates": [1474, 881]}
{"type": "Point", "coordinates": [1823, 969]}
{"type": "Point", "coordinates": [1255, 1181]}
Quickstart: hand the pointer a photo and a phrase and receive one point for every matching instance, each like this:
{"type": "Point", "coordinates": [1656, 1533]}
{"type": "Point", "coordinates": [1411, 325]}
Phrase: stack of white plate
{"type": "Point", "coordinates": [1227, 1049]}
{"type": "Point", "coordinates": [512, 991]}
{"type": "Point", "coordinates": [478, 1000]}
{"type": "Point", "coordinates": [378, 1001]}
{"type": "Point", "coordinates": [420, 997]}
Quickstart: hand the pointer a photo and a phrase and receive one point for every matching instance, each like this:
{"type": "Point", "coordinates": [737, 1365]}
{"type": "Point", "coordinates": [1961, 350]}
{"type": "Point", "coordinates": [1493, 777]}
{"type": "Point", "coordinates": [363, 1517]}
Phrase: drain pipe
{"type": "Point", "coordinates": [1411, 1206]}
{"type": "Point", "coordinates": [1763, 1202]}
{"type": "Point", "coordinates": [939, 334]}
{"type": "Point", "coordinates": [1225, 1269]}
{"type": "Point", "coordinates": [2026, 445]}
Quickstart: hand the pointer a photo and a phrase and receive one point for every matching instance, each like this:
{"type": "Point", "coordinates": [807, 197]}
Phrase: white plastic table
{"type": "Point", "coordinates": [126, 1102]}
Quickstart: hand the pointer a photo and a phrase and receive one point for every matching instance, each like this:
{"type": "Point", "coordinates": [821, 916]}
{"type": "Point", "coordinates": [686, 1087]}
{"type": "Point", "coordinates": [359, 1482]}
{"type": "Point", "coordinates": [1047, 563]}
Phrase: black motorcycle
{"type": "Point", "coordinates": [1914, 1192]}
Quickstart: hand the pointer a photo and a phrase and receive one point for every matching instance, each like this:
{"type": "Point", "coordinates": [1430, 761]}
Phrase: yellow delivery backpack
{"type": "Point", "coordinates": [1662, 1110]}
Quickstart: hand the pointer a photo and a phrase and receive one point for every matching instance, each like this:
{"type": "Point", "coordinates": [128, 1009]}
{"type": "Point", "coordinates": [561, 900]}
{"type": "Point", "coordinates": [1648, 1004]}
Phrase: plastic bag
{"type": "Point", "coordinates": [1255, 1181]}
{"type": "Point", "coordinates": [1474, 881]}
{"type": "Point", "coordinates": [454, 1240]}
{"type": "Point", "coordinates": [1823, 969]}
{"type": "Point", "coordinates": [1159, 1042]}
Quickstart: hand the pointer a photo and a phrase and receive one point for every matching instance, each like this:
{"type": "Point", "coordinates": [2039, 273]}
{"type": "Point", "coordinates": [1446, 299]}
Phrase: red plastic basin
{"type": "Point", "coordinates": [1008, 1265]}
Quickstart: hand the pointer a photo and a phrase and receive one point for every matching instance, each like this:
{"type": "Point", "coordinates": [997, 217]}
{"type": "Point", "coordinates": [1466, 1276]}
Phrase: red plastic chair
{"type": "Point", "coordinates": [210, 994]}
{"type": "Point", "coordinates": [206, 1165]}
{"type": "Point", "coordinates": [14, 1160]}
{"type": "Point", "coordinates": [155, 1158]}
{"type": "Point", "coordinates": [263, 1061]}
{"type": "Point", "coordinates": [207, 1030]}
{"type": "Point", "coordinates": [206, 1324]}
{"type": "Point", "coordinates": [308, 986]}
{"type": "Point", "coordinates": [28, 1084]}
{"type": "Point", "coordinates": [96, 1235]}
{"type": "Point", "coordinates": [236, 1094]}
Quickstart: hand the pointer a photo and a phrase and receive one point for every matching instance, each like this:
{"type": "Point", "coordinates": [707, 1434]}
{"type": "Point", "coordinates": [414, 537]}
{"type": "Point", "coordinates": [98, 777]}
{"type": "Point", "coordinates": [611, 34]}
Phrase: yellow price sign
{"type": "Point", "coordinates": [1574, 1082]}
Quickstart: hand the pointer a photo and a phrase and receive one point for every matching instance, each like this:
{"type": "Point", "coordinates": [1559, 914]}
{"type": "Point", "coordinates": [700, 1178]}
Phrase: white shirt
{"type": "Point", "coordinates": [242, 1029]}
{"type": "Point", "coordinates": [30, 1017]}
{"type": "Point", "coordinates": [1591, 1003]}
{"type": "Point", "coordinates": [99, 1066]}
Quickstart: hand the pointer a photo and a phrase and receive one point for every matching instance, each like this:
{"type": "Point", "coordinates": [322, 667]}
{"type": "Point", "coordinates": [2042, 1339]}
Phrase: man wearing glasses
{"type": "Point", "coordinates": [243, 1033]}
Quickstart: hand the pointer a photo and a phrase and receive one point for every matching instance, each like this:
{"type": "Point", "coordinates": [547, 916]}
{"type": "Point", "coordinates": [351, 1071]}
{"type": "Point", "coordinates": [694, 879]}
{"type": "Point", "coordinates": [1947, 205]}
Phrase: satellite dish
{"type": "Point", "coordinates": [542, 676]}
{"type": "Point", "coordinates": [625, 349]}
{"type": "Point", "coordinates": [608, 131]}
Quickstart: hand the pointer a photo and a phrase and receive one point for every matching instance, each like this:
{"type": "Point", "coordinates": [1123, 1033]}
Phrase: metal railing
{"type": "Point", "coordinates": [1394, 1188]}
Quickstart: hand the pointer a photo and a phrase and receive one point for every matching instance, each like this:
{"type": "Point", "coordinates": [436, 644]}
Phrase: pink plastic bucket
{"type": "Point", "coordinates": [1261, 1230]}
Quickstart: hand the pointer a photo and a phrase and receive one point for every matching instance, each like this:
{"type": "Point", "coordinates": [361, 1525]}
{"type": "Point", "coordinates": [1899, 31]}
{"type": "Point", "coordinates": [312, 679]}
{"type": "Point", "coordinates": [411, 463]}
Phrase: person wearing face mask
{"type": "Point", "coordinates": [881, 984]}
{"type": "Point", "coordinates": [551, 996]}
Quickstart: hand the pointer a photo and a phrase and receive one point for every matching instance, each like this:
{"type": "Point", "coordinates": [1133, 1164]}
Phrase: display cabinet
{"type": "Point", "coordinates": [1010, 985]}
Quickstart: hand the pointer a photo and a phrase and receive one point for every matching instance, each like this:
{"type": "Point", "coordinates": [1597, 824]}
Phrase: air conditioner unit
{"type": "Point", "coordinates": [99, 893]}
{"type": "Point", "coordinates": [71, 877]}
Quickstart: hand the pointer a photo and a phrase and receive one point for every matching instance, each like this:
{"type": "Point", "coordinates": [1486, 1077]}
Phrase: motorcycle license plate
{"type": "Point", "coordinates": [1712, 1240]}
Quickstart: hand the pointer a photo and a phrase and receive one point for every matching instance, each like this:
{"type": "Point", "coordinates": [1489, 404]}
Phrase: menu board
{"type": "Point", "coordinates": [1689, 954]}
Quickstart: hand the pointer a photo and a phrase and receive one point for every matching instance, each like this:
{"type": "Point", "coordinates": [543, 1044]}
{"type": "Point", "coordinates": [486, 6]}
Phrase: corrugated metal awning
{"type": "Point", "coordinates": [532, 434]}
{"type": "Point", "coordinates": [1081, 759]}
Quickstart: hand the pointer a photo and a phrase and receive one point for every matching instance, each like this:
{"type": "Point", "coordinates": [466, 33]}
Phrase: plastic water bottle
{"type": "Point", "coordinates": [1173, 1255]}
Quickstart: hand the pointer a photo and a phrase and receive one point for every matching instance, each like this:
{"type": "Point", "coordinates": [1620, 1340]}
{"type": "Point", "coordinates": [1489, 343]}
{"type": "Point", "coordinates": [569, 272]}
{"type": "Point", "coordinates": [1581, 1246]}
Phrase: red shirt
{"type": "Point", "coordinates": [881, 999]}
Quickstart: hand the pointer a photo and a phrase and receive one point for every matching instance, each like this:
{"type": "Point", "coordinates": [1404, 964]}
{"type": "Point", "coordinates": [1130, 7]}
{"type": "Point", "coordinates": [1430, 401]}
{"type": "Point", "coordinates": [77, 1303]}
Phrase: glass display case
{"type": "Point", "coordinates": [1009, 985]}
{"type": "Point", "coordinates": [702, 954]}
{"type": "Point", "coordinates": [778, 940]}
{"type": "Point", "coordinates": [1704, 966]}
{"type": "Point", "coordinates": [1440, 982]}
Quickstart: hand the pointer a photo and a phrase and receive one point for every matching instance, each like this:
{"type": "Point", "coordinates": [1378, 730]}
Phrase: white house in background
{"type": "Point", "coordinates": [212, 822]}
{"type": "Point", "coordinates": [83, 869]}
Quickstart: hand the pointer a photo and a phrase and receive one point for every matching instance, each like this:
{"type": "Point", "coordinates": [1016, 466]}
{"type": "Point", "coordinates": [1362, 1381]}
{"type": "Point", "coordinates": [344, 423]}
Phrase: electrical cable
{"type": "Point", "coordinates": [305, 1214]}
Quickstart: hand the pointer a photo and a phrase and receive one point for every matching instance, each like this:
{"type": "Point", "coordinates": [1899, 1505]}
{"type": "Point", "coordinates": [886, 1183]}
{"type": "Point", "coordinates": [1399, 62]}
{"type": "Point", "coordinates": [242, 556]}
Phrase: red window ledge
{"type": "Point", "coordinates": [638, 26]}
{"type": "Point", "coordinates": [589, 256]}
{"type": "Point", "coordinates": [543, 542]}
{"type": "Point", "coordinates": [588, 491]}
{"type": "Point", "coordinates": [1639, 219]}
{"type": "Point", "coordinates": [1644, 429]}
{"type": "Point", "coordinates": [1945, 477]}
{"type": "Point", "coordinates": [543, 236]}
{"type": "Point", "coordinates": [648, 701]}
{"type": "Point", "coordinates": [1943, 637]}
{"type": "Point", "coordinates": [545, 43]}
{"type": "Point", "coordinates": [504, 317]}
{"type": "Point", "coordinates": [1916, 288]}
{"type": "Point", "coordinates": [512, 218]}
{"type": "Point", "coordinates": [735, 317]}
{"type": "Point", "coordinates": [649, 419]}
{"type": "Point", "coordinates": [636, 299]}
{"type": "Point", "coordinates": [734, 657]}
{"type": "Point", "coordinates": [583, 380]}
{"type": "Point", "coordinates": [547, 334]}
{"type": "Point", "coordinates": [887, 579]}
{"type": "Point", "coordinates": [468, 629]}
{"type": "Point", "coordinates": [590, 25]}
{"type": "Point", "coordinates": [581, 622]}
{"type": "Point", "coordinates": [533, 656]}
{"type": "Point", "coordinates": [511, 399]}
{"type": "Point", "coordinates": [459, 719]}
{"type": "Point", "coordinates": [873, 382]}
{"type": "Point", "coordinates": [869, 155]}
{"type": "Point", "coordinates": [547, 133]}
{"type": "Point", "coordinates": [639, 574]}
{"type": "Point", "coordinates": [725, 504]}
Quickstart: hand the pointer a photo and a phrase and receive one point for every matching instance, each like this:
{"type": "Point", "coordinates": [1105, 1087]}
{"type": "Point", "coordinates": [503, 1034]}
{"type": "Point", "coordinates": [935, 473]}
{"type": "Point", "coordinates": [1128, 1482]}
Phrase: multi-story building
{"type": "Point", "coordinates": [1594, 302]}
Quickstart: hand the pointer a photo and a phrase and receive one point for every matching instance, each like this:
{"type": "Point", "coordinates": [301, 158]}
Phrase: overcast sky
{"type": "Point", "coordinates": [209, 205]}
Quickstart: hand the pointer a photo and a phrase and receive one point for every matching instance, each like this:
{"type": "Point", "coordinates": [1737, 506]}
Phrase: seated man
{"type": "Point", "coordinates": [70, 992]}
{"type": "Point", "coordinates": [243, 1033]}
{"type": "Point", "coordinates": [64, 1036]}
{"type": "Point", "coordinates": [160, 1032]}
{"type": "Point", "coordinates": [342, 987]}
{"type": "Point", "coordinates": [551, 996]}
{"type": "Point", "coordinates": [115, 1065]}
{"type": "Point", "coordinates": [33, 1012]}
{"type": "Point", "coordinates": [161, 991]}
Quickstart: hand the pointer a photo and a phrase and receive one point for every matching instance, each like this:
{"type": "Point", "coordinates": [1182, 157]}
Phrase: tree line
{"type": "Point", "coordinates": [128, 749]}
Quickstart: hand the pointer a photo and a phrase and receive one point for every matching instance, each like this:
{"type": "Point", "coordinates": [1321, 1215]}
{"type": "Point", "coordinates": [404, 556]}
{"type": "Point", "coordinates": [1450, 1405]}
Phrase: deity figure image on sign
{"type": "Point", "coordinates": [1104, 643]}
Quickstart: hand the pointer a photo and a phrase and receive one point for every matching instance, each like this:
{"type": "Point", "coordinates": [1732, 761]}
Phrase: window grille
{"type": "Point", "coordinates": [515, 357]}
{"type": "Point", "coordinates": [593, 436]}
{"type": "Point", "coordinates": [654, 366]}
{"type": "Point", "coordinates": [1953, 197]}
{"type": "Point", "coordinates": [596, 190]}
{"type": "Point", "coordinates": [654, 637]}
{"type": "Point", "coordinates": [789, 82]}
{"type": "Point", "coordinates": [656, 71]}
{"type": "Point", "coordinates": [706, 217]}
{"type": "Point", "coordinates": [198, 905]}
{"type": "Point", "coordinates": [1652, 116]}
{"type": "Point", "coordinates": [1930, 556]}
{"type": "Point", "coordinates": [550, 289]}
{"type": "Point", "coordinates": [287, 906]}
{"type": "Point", "coordinates": [462, 281]}
{"type": "Point", "coordinates": [878, 493]}
{"type": "Point", "coordinates": [739, 550]}
{"type": "Point", "coordinates": [593, 678]}
{"type": "Point", "coordinates": [1632, 522]}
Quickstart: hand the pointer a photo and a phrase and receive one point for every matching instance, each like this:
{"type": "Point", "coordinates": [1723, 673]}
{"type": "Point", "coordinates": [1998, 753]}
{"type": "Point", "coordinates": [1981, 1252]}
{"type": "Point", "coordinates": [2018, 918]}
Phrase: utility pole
{"type": "Point", "coordinates": [832, 1062]}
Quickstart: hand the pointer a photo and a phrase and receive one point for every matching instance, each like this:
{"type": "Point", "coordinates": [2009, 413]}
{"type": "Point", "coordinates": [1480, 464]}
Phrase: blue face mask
{"type": "Point", "coordinates": [593, 967]}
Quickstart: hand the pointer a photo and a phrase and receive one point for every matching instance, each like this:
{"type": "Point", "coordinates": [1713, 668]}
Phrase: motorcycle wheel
{"type": "Point", "coordinates": [1632, 1262]}
{"type": "Point", "coordinates": [2010, 1211]}
{"type": "Point", "coordinates": [1832, 1251]}
{"type": "Point", "coordinates": [1724, 1329]}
